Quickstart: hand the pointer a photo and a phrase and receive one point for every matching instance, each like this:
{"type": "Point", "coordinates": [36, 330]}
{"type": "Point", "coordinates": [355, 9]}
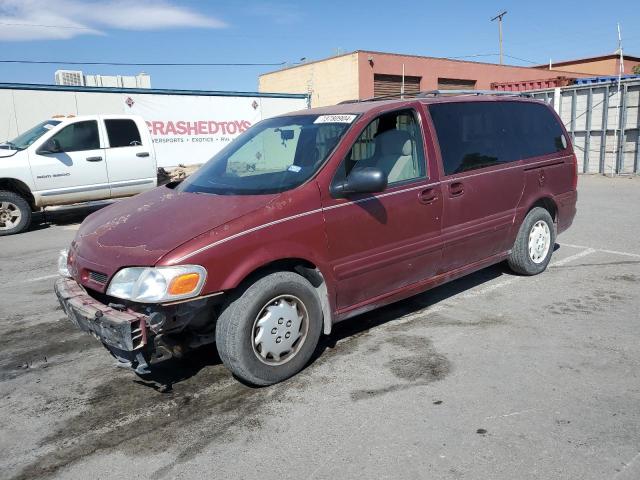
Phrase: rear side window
{"type": "Point", "coordinates": [79, 136]}
{"type": "Point", "coordinates": [122, 133]}
{"type": "Point", "coordinates": [475, 135]}
{"type": "Point", "coordinates": [537, 130]}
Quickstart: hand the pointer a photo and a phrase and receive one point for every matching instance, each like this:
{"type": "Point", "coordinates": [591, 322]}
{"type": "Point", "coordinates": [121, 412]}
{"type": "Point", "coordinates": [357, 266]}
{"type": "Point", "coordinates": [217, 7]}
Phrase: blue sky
{"type": "Point", "coordinates": [274, 31]}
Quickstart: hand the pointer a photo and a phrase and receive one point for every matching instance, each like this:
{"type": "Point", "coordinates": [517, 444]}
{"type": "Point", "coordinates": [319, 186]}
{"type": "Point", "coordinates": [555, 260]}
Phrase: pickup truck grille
{"type": "Point", "coordinates": [98, 277]}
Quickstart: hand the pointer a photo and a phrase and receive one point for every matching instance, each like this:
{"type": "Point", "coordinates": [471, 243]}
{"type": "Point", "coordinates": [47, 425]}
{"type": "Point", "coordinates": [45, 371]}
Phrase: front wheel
{"type": "Point", "coordinates": [15, 213]}
{"type": "Point", "coordinates": [269, 332]}
{"type": "Point", "coordinates": [534, 244]}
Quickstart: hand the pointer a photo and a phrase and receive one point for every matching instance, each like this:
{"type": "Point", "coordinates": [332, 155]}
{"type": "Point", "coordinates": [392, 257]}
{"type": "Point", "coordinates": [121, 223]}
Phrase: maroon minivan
{"type": "Point", "coordinates": [313, 217]}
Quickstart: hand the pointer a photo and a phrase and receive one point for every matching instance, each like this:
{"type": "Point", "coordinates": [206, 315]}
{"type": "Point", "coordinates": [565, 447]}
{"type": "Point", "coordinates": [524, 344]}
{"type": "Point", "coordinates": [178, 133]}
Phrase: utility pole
{"type": "Point", "coordinates": [618, 142]}
{"type": "Point", "coordinates": [499, 18]}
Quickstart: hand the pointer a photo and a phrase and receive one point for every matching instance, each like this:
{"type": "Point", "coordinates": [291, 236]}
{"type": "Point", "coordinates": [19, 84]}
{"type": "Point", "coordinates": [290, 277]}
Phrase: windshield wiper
{"type": "Point", "coordinates": [11, 145]}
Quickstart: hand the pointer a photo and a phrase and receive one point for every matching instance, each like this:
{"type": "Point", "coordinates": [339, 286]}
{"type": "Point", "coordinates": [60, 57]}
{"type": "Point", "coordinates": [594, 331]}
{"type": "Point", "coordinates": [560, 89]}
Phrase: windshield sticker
{"type": "Point", "coordinates": [48, 126]}
{"type": "Point", "coordinates": [335, 119]}
{"type": "Point", "coordinates": [294, 168]}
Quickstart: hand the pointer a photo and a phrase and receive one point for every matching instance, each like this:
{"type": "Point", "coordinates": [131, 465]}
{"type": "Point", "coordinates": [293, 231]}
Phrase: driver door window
{"type": "Point", "coordinates": [392, 143]}
{"type": "Point", "coordinates": [78, 137]}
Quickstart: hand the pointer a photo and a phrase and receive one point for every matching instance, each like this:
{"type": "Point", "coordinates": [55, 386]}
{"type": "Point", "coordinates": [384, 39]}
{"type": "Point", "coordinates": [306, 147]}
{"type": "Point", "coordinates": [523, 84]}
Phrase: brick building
{"type": "Point", "coordinates": [364, 74]}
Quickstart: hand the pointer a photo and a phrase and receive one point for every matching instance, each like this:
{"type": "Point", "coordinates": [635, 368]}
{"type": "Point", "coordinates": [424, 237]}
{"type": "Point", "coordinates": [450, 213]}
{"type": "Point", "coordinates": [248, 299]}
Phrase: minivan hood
{"type": "Point", "coordinates": [140, 230]}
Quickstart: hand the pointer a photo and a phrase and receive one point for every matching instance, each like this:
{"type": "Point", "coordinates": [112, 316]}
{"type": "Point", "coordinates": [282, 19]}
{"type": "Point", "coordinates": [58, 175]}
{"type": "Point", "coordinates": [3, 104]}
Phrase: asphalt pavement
{"type": "Point", "coordinates": [493, 376]}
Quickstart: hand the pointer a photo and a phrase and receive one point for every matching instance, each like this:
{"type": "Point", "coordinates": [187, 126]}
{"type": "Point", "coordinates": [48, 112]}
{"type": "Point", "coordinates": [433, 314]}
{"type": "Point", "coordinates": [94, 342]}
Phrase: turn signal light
{"type": "Point", "coordinates": [184, 284]}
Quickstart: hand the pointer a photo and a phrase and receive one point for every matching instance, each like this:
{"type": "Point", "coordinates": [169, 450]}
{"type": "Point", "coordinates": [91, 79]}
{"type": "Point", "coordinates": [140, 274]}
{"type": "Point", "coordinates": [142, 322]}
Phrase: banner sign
{"type": "Point", "coordinates": [189, 130]}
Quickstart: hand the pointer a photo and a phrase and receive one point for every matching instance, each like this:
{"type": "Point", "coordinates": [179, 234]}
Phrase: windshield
{"type": "Point", "coordinates": [27, 138]}
{"type": "Point", "coordinates": [274, 155]}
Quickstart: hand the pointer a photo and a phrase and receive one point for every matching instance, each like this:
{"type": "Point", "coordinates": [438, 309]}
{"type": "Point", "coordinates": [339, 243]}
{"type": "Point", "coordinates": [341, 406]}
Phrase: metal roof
{"type": "Point", "coordinates": [588, 59]}
{"type": "Point", "coordinates": [149, 91]}
{"type": "Point", "coordinates": [604, 79]}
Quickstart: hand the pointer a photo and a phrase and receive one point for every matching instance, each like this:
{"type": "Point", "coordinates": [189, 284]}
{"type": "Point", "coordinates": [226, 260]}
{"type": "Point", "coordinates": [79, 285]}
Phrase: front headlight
{"type": "Point", "coordinates": [63, 268]}
{"type": "Point", "coordinates": [159, 284]}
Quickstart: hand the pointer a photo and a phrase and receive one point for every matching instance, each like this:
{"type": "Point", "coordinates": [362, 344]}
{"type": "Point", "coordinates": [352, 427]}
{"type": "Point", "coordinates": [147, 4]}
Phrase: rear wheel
{"type": "Point", "coordinates": [15, 213]}
{"type": "Point", "coordinates": [269, 332]}
{"type": "Point", "coordinates": [534, 244]}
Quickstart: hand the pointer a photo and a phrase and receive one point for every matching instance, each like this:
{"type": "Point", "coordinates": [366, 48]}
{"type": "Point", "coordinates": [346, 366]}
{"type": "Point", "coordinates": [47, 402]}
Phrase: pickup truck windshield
{"type": "Point", "coordinates": [27, 138]}
{"type": "Point", "coordinates": [273, 156]}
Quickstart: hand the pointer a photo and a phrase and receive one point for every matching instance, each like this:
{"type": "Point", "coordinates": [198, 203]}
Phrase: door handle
{"type": "Point", "coordinates": [428, 196]}
{"type": "Point", "coordinates": [456, 189]}
{"type": "Point", "coordinates": [94, 159]}
{"type": "Point", "coordinates": [142, 154]}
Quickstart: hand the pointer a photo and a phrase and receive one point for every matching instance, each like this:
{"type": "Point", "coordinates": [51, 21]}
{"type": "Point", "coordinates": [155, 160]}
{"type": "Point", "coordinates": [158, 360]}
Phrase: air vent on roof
{"type": "Point", "coordinates": [70, 77]}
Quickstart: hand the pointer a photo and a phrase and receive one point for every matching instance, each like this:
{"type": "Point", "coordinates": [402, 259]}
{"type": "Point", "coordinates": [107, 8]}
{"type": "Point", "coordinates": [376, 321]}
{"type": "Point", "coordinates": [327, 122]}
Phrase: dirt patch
{"type": "Point", "coordinates": [440, 320]}
{"type": "Point", "coordinates": [628, 277]}
{"type": "Point", "coordinates": [40, 346]}
{"type": "Point", "coordinates": [125, 414]}
{"type": "Point", "coordinates": [46, 291]}
{"type": "Point", "coordinates": [598, 301]}
{"type": "Point", "coordinates": [14, 318]}
{"type": "Point", "coordinates": [421, 366]}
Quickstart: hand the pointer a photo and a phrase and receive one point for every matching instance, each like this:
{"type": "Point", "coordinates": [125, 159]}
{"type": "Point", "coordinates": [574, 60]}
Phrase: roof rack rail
{"type": "Point", "coordinates": [436, 93]}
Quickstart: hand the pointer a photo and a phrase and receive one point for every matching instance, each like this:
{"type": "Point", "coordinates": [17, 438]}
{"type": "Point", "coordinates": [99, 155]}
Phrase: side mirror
{"type": "Point", "coordinates": [50, 146]}
{"type": "Point", "coordinates": [362, 180]}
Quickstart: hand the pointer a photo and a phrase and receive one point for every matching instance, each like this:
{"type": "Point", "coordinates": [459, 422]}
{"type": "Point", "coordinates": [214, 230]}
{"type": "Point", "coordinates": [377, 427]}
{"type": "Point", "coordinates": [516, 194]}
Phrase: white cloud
{"type": "Point", "coordinates": [22, 20]}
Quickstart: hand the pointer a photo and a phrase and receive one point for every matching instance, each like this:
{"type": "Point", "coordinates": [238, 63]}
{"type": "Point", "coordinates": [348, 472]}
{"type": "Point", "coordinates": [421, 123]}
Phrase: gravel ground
{"type": "Point", "coordinates": [492, 376]}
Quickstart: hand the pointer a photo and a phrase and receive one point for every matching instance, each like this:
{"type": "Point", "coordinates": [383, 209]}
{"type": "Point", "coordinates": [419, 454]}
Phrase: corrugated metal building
{"type": "Point", "coordinates": [604, 123]}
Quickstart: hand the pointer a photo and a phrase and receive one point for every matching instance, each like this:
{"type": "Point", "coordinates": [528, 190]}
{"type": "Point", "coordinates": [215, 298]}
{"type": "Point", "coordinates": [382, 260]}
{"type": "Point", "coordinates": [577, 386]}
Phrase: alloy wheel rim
{"type": "Point", "coordinates": [280, 329]}
{"type": "Point", "coordinates": [10, 215]}
{"type": "Point", "coordinates": [539, 241]}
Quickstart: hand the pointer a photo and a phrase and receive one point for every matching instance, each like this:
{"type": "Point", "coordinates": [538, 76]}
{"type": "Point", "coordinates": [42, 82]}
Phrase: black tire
{"type": "Point", "coordinates": [20, 204]}
{"type": "Point", "coordinates": [235, 328]}
{"type": "Point", "coordinates": [520, 261]}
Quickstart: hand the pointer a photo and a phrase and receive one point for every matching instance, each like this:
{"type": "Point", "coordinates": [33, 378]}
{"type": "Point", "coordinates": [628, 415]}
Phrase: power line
{"type": "Point", "coordinates": [493, 55]}
{"type": "Point", "coordinates": [522, 59]}
{"type": "Point", "coordinates": [474, 55]}
{"type": "Point", "coordinates": [163, 64]}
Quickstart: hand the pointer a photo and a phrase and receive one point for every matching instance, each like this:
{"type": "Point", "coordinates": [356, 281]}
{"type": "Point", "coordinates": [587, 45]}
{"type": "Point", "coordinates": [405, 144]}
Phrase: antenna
{"type": "Point", "coordinates": [499, 18]}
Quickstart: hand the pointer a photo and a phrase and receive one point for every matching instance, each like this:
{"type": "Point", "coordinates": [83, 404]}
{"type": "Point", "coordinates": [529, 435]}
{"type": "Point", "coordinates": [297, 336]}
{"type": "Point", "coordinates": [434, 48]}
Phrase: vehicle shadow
{"type": "Point", "coordinates": [166, 374]}
{"type": "Point", "coordinates": [68, 215]}
{"type": "Point", "coordinates": [370, 320]}
{"type": "Point", "coordinates": [375, 318]}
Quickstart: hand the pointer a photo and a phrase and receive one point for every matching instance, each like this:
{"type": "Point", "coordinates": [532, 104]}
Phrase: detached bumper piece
{"type": "Point", "coordinates": [124, 333]}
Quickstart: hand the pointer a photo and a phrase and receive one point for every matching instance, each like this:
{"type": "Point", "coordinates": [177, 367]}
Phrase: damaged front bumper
{"type": "Point", "coordinates": [124, 333]}
{"type": "Point", "coordinates": [138, 340]}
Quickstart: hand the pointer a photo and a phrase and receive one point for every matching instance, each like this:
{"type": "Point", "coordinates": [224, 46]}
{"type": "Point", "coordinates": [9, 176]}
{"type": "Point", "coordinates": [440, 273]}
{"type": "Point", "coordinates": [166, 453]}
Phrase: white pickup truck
{"type": "Point", "coordinates": [71, 160]}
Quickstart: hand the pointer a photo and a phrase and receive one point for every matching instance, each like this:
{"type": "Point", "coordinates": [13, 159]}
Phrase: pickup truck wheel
{"type": "Point", "coordinates": [534, 244]}
{"type": "Point", "coordinates": [15, 213]}
{"type": "Point", "coordinates": [269, 332]}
